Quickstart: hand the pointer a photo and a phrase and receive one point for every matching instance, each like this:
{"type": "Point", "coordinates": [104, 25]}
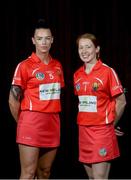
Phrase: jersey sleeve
{"type": "Point", "coordinates": [75, 85]}
{"type": "Point", "coordinates": [115, 84]}
{"type": "Point", "coordinates": [20, 76]}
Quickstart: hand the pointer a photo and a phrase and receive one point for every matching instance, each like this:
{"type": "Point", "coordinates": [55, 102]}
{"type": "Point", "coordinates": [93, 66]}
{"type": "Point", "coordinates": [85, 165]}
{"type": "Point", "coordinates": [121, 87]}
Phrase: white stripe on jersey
{"type": "Point", "coordinates": [35, 70]}
{"type": "Point", "coordinates": [107, 121]}
{"type": "Point", "coordinates": [30, 105]}
{"type": "Point", "coordinates": [14, 78]}
{"type": "Point", "coordinates": [16, 69]}
{"type": "Point", "coordinates": [78, 80]}
{"type": "Point", "coordinates": [116, 77]}
{"type": "Point", "coordinates": [99, 80]}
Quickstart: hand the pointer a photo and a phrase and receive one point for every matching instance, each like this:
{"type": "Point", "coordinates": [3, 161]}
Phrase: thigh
{"type": "Point", "coordinates": [28, 156]}
{"type": "Point", "coordinates": [46, 158]}
{"type": "Point", "coordinates": [101, 170]}
{"type": "Point", "coordinates": [88, 169]}
{"type": "Point", "coordinates": [45, 162]}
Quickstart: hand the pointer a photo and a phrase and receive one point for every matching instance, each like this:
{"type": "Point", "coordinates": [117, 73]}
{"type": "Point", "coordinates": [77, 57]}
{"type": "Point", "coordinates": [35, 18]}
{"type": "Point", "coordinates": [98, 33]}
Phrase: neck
{"type": "Point", "coordinates": [44, 57]}
{"type": "Point", "coordinates": [89, 67]}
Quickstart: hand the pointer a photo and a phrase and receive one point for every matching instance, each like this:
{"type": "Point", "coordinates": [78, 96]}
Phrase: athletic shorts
{"type": "Point", "coordinates": [97, 143]}
{"type": "Point", "coordinates": [38, 129]}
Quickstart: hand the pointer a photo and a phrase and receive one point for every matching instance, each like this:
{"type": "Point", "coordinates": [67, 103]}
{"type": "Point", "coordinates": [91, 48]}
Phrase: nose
{"type": "Point", "coordinates": [84, 50]}
{"type": "Point", "coordinates": [43, 41]}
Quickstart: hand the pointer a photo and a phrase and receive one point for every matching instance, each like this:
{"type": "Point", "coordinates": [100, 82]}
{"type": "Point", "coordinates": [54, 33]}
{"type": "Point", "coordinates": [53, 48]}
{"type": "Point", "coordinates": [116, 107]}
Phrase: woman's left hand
{"type": "Point", "coordinates": [118, 131]}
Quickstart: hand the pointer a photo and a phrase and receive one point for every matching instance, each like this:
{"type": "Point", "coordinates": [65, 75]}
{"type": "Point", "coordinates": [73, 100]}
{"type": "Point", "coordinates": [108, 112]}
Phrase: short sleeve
{"type": "Point", "coordinates": [20, 76]}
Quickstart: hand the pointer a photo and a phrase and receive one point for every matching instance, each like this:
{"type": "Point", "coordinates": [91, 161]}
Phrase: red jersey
{"type": "Point", "coordinates": [96, 92]}
{"type": "Point", "coordinates": [41, 84]}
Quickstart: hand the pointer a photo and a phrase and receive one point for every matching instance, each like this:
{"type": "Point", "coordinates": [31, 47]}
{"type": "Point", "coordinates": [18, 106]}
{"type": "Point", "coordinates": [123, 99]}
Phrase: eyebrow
{"type": "Point", "coordinates": [42, 36]}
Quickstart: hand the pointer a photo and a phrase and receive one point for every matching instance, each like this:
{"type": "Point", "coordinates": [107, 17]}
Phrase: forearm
{"type": "Point", "coordinates": [14, 108]}
{"type": "Point", "coordinates": [15, 97]}
{"type": "Point", "coordinates": [119, 113]}
{"type": "Point", "coordinates": [120, 107]}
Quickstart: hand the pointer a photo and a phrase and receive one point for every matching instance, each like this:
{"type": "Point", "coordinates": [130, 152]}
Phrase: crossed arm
{"type": "Point", "coordinates": [15, 97]}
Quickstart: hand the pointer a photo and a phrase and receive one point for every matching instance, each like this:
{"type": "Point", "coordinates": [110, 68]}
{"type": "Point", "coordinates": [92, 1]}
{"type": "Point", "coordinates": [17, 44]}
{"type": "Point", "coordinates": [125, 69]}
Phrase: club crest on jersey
{"type": "Point", "coordinates": [103, 152]}
{"type": "Point", "coordinates": [77, 87]}
{"type": "Point", "coordinates": [95, 86]}
{"type": "Point", "coordinates": [40, 76]}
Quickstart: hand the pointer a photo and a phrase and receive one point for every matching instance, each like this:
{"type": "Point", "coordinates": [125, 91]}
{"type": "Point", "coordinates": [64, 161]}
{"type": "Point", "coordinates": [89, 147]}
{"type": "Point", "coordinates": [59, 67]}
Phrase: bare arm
{"type": "Point", "coordinates": [14, 100]}
{"type": "Point", "coordinates": [120, 106]}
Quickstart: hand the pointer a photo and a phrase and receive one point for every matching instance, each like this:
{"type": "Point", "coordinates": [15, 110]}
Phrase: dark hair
{"type": "Point", "coordinates": [40, 23]}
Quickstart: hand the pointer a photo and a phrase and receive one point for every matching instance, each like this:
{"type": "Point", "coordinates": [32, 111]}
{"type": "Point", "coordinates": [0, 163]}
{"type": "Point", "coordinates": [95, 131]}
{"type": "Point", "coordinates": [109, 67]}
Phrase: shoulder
{"type": "Point", "coordinates": [105, 66]}
{"type": "Point", "coordinates": [108, 68]}
{"type": "Point", "coordinates": [78, 71]}
{"type": "Point", "coordinates": [24, 63]}
{"type": "Point", "coordinates": [56, 63]}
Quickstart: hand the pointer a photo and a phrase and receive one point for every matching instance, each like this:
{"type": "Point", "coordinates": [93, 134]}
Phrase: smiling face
{"type": "Point", "coordinates": [87, 50]}
{"type": "Point", "coordinates": [42, 40]}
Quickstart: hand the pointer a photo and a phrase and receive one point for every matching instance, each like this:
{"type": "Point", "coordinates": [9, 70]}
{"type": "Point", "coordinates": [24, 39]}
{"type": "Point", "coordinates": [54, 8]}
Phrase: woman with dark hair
{"type": "Point", "coordinates": [34, 102]}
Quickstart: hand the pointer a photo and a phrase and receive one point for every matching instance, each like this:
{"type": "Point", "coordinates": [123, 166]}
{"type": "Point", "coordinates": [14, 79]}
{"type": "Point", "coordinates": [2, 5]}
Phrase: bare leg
{"type": "Point", "coordinates": [45, 163]}
{"type": "Point", "coordinates": [88, 169]}
{"type": "Point", "coordinates": [28, 160]}
{"type": "Point", "coordinates": [101, 170]}
{"type": "Point", "coordinates": [98, 170]}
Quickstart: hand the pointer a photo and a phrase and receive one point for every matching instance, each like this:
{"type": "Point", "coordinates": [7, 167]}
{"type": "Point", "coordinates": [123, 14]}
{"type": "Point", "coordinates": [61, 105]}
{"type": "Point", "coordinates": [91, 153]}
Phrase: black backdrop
{"type": "Point", "coordinates": [110, 21]}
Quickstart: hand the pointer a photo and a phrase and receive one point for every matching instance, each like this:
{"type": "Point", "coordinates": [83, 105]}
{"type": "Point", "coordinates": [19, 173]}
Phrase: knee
{"type": "Point", "coordinates": [46, 173]}
{"type": "Point", "coordinates": [27, 173]}
{"type": "Point", "coordinates": [43, 173]}
{"type": "Point", "coordinates": [99, 175]}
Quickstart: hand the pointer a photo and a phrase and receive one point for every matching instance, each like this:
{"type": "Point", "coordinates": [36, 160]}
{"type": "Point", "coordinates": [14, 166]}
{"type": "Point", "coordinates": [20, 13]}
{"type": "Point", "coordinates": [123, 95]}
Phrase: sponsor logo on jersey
{"type": "Point", "coordinates": [40, 76]}
{"type": "Point", "coordinates": [103, 152]}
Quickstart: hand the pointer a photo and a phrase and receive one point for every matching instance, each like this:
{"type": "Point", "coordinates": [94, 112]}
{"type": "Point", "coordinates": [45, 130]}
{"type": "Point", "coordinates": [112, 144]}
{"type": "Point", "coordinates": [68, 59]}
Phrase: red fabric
{"type": "Point", "coordinates": [97, 143]}
{"type": "Point", "coordinates": [96, 92]}
{"type": "Point", "coordinates": [41, 84]}
{"type": "Point", "coordinates": [38, 129]}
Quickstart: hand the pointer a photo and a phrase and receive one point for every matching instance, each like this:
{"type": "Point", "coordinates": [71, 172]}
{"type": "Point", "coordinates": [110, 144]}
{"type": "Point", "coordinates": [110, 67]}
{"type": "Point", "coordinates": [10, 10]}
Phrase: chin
{"type": "Point", "coordinates": [86, 61]}
{"type": "Point", "coordinates": [44, 51]}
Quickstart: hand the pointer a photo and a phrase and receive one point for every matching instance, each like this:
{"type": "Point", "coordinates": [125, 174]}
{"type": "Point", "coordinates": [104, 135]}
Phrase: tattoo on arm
{"type": "Point", "coordinates": [17, 92]}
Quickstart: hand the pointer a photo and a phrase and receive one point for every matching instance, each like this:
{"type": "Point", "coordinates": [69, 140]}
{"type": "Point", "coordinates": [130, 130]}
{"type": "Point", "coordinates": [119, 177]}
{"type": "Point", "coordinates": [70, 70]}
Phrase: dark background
{"type": "Point", "coordinates": [110, 21]}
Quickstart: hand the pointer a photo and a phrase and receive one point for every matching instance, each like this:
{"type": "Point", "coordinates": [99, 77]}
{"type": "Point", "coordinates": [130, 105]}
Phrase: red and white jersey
{"type": "Point", "coordinates": [96, 92]}
{"type": "Point", "coordinates": [40, 83]}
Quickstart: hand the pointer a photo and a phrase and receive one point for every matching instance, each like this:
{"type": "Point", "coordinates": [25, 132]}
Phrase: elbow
{"type": "Point", "coordinates": [9, 102]}
{"type": "Point", "coordinates": [125, 103]}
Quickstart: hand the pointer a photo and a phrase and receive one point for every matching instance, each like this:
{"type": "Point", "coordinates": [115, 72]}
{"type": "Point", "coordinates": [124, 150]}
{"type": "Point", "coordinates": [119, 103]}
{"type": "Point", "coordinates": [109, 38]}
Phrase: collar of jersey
{"type": "Point", "coordinates": [97, 65]}
{"type": "Point", "coordinates": [35, 58]}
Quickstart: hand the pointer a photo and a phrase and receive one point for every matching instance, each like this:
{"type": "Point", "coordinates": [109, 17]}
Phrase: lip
{"type": "Point", "coordinates": [44, 47]}
{"type": "Point", "coordinates": [85, 56]}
